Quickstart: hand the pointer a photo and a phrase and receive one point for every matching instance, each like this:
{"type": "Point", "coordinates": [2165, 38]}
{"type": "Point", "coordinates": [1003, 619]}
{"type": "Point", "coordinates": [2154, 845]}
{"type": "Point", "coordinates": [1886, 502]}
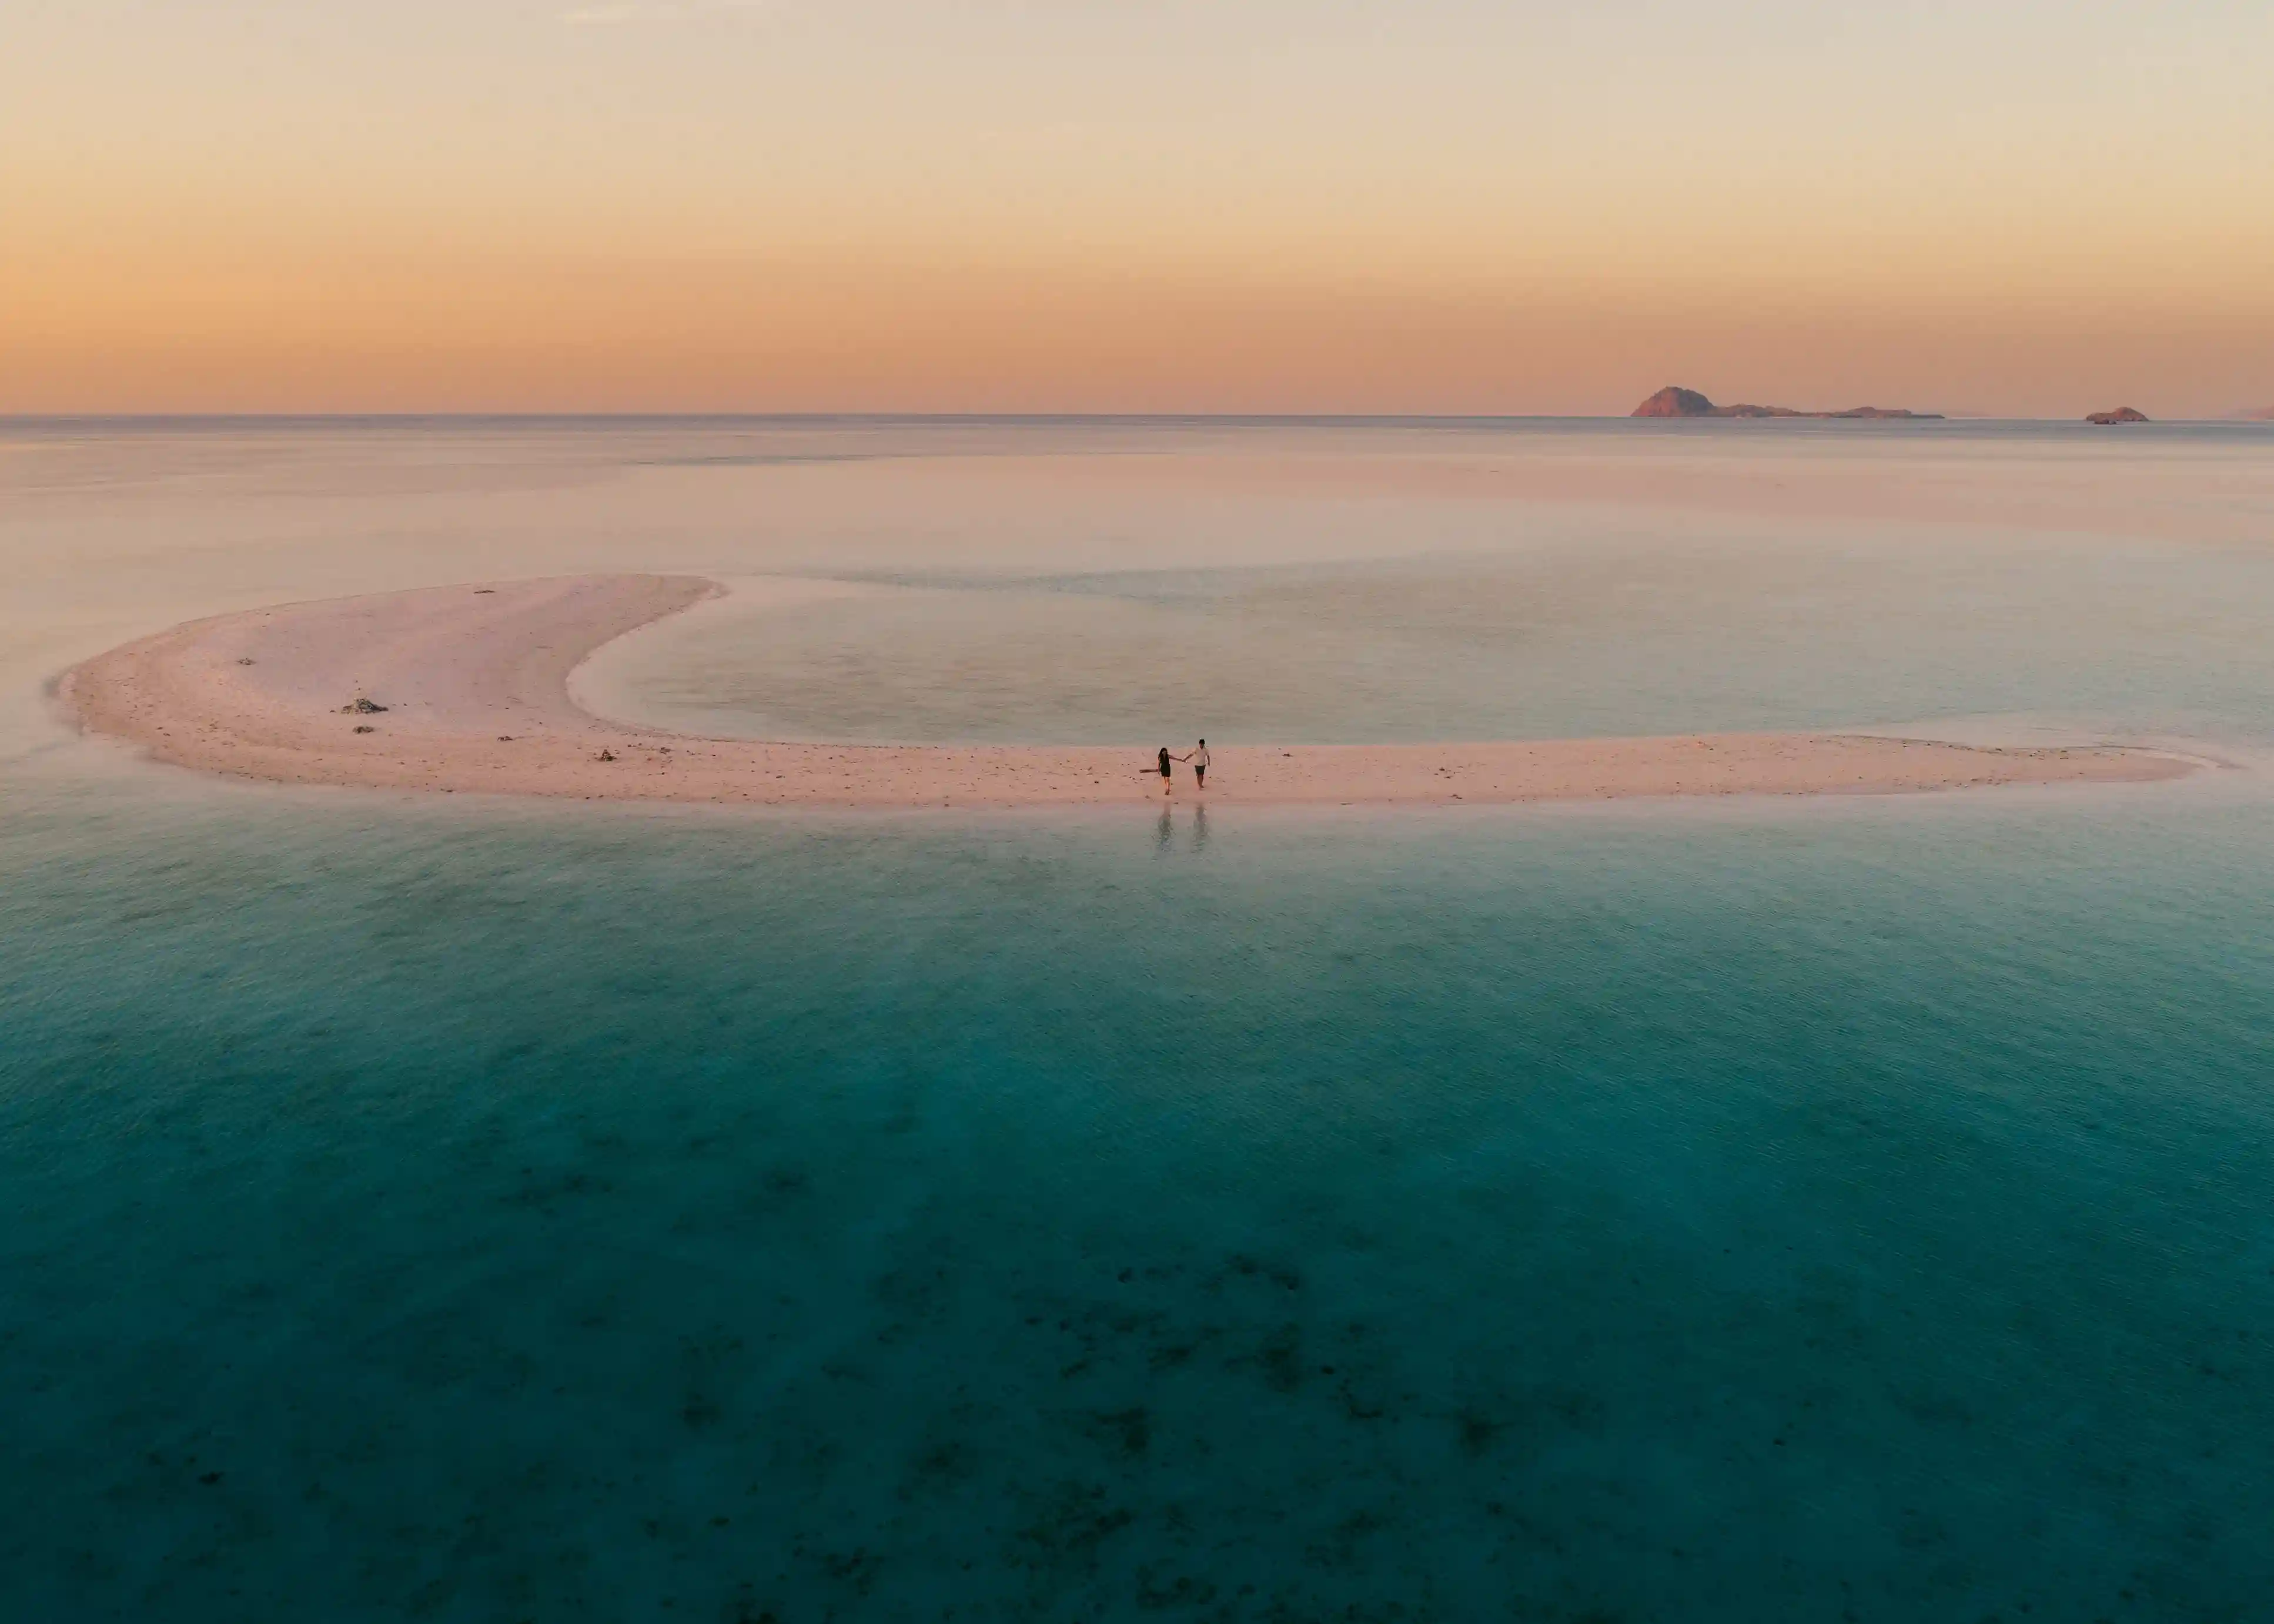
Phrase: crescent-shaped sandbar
{"type": "Point", "coordinates": [473, 680]}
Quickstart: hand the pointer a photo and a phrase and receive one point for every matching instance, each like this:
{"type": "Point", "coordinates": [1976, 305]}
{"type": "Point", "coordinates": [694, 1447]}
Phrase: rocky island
{"type": "Point", "coordinates": [2122, 414]}
{"type": "Point", "coordinates": [1673, 402]}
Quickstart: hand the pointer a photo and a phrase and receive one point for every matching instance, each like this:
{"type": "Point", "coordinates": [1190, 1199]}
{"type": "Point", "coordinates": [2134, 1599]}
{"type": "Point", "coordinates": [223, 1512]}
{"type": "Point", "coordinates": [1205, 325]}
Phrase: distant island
{"type": "Point", "coordinates": [1673, 402]}
{"type": "Point", "coordinates": [2122, 414]}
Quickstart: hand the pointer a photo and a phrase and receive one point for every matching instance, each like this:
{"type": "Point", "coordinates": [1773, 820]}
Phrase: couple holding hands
{"type": "Point", "coordinates": [1199, 758]}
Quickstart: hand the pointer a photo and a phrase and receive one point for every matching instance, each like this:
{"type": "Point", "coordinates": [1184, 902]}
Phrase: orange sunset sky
{"type": "Point", "coordinates": [1442, 205]}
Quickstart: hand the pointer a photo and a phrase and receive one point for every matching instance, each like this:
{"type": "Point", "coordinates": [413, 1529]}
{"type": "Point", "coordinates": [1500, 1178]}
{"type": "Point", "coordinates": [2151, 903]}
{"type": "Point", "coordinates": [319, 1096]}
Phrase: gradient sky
{"type": "Point", "coordinates": [2006, 205]}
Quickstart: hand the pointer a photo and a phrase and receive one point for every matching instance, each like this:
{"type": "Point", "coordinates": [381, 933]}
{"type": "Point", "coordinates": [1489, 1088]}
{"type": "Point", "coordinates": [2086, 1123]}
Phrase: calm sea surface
{"type": "Point", "coordinates": [480, 1211]}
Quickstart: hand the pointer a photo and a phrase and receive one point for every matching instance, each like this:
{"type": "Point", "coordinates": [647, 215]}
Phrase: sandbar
{"type": "Point", "coordinates": [472, 686]}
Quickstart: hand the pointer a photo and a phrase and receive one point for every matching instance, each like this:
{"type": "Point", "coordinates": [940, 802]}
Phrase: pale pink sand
{"type": "Point", "coordinates": [475, 683]}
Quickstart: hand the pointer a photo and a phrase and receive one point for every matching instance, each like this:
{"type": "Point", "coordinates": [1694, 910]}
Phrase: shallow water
{"type": "Point", "coordinates": [1614, 636]}
{"type": "Point", "coordinates": [479, 1211]}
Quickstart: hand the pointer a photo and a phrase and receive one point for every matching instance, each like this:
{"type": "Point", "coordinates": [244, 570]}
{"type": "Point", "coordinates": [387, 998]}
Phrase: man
{"type": "Point", "coordinates": [1199, 758]}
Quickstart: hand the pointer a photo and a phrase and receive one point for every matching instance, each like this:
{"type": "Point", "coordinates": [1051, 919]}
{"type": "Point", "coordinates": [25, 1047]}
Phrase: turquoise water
{"type": "Point", "coordinates": [470, 1210]}
{"type": "Point", "coordinates": [481, 1216]}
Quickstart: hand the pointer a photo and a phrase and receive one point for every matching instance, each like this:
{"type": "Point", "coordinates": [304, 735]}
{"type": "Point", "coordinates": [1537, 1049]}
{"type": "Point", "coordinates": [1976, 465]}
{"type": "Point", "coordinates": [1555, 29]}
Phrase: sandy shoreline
{"type": "Point", "coordinates": [474, 683]}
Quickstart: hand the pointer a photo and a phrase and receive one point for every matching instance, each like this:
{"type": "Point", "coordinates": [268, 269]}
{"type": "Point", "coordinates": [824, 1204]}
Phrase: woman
{"type": "Point", "coordinates": [1165, 769]}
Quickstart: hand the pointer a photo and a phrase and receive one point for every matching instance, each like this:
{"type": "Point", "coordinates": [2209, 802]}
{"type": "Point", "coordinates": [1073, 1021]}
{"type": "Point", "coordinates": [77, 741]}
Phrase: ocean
{"type": "Point", "coordinates": [1830, 1208]}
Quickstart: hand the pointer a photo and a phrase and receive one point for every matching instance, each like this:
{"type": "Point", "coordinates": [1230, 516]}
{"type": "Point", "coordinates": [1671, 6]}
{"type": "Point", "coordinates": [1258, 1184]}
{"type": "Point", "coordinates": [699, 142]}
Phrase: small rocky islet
{"type": "Point", "coordinates": [1677, 403]}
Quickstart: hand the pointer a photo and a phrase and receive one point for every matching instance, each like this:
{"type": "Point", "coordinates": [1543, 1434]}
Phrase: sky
{"type": "Point", "coordinates": [2007, 207]}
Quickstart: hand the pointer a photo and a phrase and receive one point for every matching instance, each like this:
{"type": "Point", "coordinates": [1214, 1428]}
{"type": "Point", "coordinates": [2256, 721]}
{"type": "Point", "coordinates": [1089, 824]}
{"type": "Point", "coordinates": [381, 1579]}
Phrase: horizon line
{"type": "Point", "coordinates": [1025, 418]}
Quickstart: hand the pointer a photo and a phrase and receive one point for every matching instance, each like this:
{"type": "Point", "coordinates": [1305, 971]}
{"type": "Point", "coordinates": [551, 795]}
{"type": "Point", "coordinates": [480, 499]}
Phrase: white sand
{"type": "Point", "coordinates": [474, 679]}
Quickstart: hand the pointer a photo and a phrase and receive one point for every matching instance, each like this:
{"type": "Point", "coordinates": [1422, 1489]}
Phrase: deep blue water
{"type": "Point", "coordinates": [478, 1213]}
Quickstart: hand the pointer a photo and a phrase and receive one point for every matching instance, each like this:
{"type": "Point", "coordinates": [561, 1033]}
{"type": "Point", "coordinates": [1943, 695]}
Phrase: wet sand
{"type": "Point", "coordinates": [473, 684]}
